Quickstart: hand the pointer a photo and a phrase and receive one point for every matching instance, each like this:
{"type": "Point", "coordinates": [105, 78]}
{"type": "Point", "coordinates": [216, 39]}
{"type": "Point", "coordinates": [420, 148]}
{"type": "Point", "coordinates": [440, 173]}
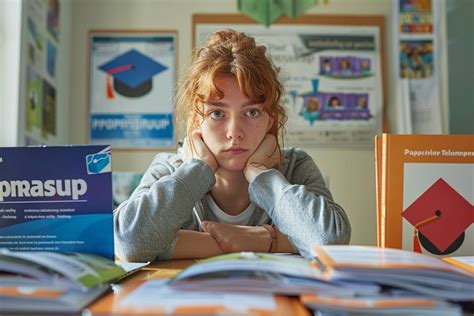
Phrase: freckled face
{"type": "Point", "coordinates": [233, 127]}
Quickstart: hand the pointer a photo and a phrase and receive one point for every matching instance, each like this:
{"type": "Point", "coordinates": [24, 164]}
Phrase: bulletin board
{"type": "Point", "coordinates": [332, 68]}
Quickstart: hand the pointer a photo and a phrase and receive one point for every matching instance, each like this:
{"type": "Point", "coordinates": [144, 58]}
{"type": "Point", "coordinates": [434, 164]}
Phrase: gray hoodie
{"type": "Point", "coordinates": [294, 198]}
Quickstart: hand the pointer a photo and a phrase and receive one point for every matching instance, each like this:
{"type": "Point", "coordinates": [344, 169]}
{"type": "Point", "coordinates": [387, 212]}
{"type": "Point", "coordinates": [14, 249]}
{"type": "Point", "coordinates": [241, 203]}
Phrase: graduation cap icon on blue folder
{"type": "Point", "coordinates": [132, 74]}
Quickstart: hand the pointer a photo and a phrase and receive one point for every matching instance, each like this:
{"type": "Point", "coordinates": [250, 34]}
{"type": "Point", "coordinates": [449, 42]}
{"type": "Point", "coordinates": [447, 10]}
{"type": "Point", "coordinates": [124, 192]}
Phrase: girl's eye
{"type": "Point", "coordinates": [216, 114]}
{"type": "Point", "coordinates": [253, 113]}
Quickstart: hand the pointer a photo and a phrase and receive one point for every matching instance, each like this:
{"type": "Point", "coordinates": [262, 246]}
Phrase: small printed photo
{"type": "Point", "coordinates": [364, 66]}
{"type": "Point", "coordinates": [416, 16]}
{"type": "Point", "coordinates": [326, 65]}
{"type": "Point", "coordinates": [359, 101]}
{"type": "Point", "coordinates": [312, 103]}
{"type": "Point", "coordinates": [344, 66]}
{"type": "Point", "coordinates": [336, 101]}
{"type": "Point", "coordinates": [311, 107]}
{"type": "Point", "coordinates": [416, 59]}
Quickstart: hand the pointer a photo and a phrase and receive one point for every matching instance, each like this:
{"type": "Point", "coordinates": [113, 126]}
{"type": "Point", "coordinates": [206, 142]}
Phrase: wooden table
{"type": "Point", "coordinates": [110, 304]}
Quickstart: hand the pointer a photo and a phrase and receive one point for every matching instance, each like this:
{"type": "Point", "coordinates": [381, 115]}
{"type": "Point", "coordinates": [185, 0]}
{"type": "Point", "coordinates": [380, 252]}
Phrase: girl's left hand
{"type": "Point", "coordinates": [265, 157]}
{"type": "Point", "coordinates": [235, 238]}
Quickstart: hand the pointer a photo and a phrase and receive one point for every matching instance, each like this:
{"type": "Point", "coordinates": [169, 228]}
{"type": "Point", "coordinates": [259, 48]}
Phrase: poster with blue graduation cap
{"type": "Point", "coordinates": [132, 79]}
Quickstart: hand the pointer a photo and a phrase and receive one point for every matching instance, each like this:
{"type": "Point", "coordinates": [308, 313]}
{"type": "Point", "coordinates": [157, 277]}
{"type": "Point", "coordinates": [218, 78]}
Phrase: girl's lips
{"type": "Point", "coordinates": [235, 151]}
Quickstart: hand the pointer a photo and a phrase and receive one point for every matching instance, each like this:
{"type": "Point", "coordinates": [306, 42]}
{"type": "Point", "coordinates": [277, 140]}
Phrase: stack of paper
{"type": "Point", "coordinates": [346, 280]}
{"type": "Point", "coordinates": [411, 283]}
{"type": "Point", "coordinates": [422, 274]}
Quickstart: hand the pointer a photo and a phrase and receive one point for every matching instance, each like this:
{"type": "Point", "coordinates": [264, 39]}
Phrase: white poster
{"type": "Point", "coordinates": [132, 79]}
{"type": "Point", "coordinates": [332, 78]}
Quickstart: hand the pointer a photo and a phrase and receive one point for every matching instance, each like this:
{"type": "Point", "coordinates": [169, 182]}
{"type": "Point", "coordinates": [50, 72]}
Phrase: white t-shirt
{"type": "Point", "coordinates": [241, 219]}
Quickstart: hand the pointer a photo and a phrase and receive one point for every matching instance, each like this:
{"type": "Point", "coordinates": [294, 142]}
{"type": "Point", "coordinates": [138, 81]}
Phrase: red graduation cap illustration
{"type": "Point", "coordinates": [132, 73]}
{"type": "Point", "coordinates": [440, 215]}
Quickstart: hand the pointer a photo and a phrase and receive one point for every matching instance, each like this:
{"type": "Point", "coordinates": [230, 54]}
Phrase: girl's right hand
{"type": "Point", "coordinates": [199, 150]}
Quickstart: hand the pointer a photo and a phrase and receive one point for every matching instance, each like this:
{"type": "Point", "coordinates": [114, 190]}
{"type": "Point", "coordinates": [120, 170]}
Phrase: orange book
{"type": "Point", "coordinates": [425, 191]}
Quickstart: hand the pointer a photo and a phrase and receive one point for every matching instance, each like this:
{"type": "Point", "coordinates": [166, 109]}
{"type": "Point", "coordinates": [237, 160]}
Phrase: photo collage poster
{"type": "Point", "coordinates": [332, 79]}
{"type": "Point", "coordinates": [418, 26]}
{"type": "Point", "coordinates": [131, 85]}
{"type": "Point", "coordinates": [42, 41]}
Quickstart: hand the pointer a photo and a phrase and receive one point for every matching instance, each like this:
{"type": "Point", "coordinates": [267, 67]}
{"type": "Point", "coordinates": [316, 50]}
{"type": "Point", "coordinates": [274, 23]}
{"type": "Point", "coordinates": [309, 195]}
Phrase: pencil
{"type": "Point", "coordinates": [198, 219]}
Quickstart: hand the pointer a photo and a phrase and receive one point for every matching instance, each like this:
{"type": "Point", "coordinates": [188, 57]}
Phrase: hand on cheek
{"type": "Point", "coordinates": [265, 157]}
{"type": "Point", "coordinates": [199, 150]}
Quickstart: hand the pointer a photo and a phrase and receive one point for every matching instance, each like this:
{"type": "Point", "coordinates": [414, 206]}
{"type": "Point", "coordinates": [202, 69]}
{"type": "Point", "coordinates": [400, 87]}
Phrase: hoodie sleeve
{"type": "Point", "coordinates": [145, 225]}
{"type": "Point", "coordinates": [301, 208]}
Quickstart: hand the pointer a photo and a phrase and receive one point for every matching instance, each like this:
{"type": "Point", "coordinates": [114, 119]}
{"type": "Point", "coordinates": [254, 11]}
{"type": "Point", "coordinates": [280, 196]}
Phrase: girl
{"type": "Point", "coordinates": [231, 187]}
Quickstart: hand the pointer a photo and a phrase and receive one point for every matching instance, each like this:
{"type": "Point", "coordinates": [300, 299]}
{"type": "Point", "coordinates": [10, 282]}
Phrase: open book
{"type": "Point", "coordinates": [343, 271]}
{"type": "Point", "coordinates": [259, 273]}
{"type": "Point", "coordinates": [53, 282]}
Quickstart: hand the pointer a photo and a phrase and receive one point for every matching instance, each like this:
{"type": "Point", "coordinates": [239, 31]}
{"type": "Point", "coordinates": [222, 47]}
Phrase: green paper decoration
{"type": "Point", "coordinates": [263, 11]}
{"type": "Point", "coordinates": [295, 8]}
{"type": "Point", "coordinates": [267, 11]}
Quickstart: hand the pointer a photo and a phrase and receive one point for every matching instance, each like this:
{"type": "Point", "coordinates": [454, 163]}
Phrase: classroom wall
{"type": "Point", "coordinates": [350, 172]}
{"type": "Point", "coordinates": [461, 75]}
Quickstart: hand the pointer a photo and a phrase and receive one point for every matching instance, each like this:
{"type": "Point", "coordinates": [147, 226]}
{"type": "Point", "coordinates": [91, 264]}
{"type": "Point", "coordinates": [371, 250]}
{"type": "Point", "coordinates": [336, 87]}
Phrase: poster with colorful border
{"type": "Point", "coordinates": [63, 205]}
{"type": "Point", "coordinates": [131, 86]}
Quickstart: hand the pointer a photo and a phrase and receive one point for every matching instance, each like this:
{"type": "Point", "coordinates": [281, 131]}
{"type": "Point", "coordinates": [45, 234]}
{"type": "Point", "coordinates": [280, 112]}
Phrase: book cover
{"type": "Point", "coordinates": [56, 198]}
{"type": "Point", "coordinates": [426, 192]}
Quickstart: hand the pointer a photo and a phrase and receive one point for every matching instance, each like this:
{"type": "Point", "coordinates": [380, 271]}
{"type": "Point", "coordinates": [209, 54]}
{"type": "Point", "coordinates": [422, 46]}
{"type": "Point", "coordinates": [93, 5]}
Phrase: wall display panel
{"type": "Point", "coordinates": [332, 68]}
{"type": "Point", "coordinates": [39, 110]}
{"type": "Point", "coordinates": [132, 76]}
